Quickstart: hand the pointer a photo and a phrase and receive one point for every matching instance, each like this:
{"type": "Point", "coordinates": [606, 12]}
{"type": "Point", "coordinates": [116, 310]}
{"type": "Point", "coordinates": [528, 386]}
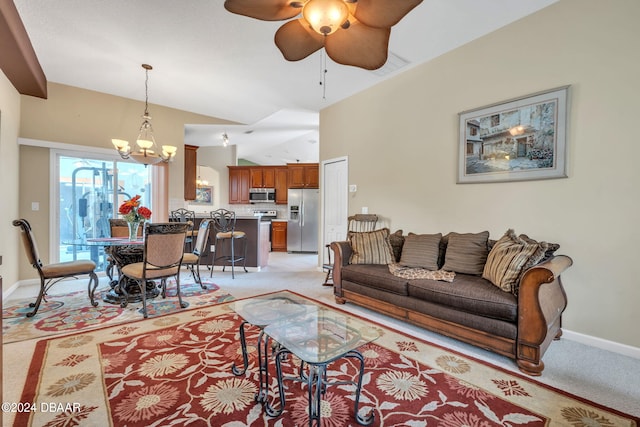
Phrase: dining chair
{"type": "Point", "coordinates": [185, 215]}
{"type": "Point", "coordinates": [192, 259]}
{"type": "Point", "coordinates": [356, 223]}
{"type": "Point", "coordinates": [162, 257]}
{"type": "Point", "coordinates": [118, 228]}
{"type": "Point", "coordinates": [224, 225]}
{"type": "Point", "coordinates": [50, 274]}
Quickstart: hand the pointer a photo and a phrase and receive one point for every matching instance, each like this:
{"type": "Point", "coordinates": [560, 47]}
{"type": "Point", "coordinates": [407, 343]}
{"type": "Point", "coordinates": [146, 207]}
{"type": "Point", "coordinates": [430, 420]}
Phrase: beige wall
{"type": "Point", "coordinates": [81, 117]}
{"type": "Point", "coordinates": [10, 248]}
{"type": "Point", "coordinates": [402, 141]}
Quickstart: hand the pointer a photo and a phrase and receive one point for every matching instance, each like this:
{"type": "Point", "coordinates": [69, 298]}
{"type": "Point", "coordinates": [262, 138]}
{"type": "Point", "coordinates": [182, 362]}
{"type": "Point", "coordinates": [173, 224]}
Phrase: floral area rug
{"type": "Point", "coordinates": [175, 369]}
{"type": "Point", "coordinates": [70, 312]}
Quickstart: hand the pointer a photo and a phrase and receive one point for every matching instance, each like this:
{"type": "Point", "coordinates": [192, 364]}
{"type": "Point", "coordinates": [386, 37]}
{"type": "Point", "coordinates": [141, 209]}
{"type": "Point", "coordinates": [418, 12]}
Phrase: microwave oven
{"type": "Point", "coordinates": [262, 195]}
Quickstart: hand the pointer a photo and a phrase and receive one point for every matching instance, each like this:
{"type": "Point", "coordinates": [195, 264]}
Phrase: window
{"type": "Point", "coordinates": [90, 190]}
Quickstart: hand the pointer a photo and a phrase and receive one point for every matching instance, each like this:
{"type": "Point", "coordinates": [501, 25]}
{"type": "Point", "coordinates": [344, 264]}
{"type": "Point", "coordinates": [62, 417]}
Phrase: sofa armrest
{"type": "Point", "coordinates": [541, 302]}
{"type": "Point", "coordinates": [342, 254]}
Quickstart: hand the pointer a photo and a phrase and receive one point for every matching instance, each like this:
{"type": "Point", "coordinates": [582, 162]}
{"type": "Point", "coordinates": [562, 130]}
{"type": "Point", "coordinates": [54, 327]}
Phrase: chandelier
{"type": "Point", "coordinates": [147, 152]}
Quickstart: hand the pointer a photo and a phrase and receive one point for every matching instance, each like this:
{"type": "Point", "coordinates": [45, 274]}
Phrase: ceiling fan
{"type": "Point", "coordinates": [352, 32]}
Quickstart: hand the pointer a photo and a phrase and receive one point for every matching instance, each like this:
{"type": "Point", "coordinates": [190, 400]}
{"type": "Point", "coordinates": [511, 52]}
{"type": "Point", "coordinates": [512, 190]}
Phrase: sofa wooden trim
{"type": "Point", "coordinates": [541, 301]}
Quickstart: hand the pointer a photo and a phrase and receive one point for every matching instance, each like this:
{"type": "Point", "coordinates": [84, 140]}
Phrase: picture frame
{"type": "Point", "coordinates": [521, 139]}
{"type": "Point", "coordinates": [204, 195]}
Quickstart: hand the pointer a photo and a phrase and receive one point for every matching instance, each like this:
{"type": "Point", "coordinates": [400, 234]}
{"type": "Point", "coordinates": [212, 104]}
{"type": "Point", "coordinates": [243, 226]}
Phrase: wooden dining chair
{"type": "Point", "coordinates": [192, 259]}
{"type": "Point", "coordinates": [50, 274]}
{"type": "Point", "coordinates": [357, 223]}
{"type": "Point", "coordinates": [162, 258]}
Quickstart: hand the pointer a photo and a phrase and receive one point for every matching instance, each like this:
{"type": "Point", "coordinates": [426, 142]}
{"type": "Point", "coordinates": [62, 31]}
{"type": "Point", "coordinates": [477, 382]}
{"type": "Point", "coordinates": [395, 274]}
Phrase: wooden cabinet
{"type": "Point", "coordinates": [279, 236]}
{"type": "Point", "coordinates": [262, 177]}
{"type": "Point", "coordinates": [304, 175]}
{"type": "Point", "coordinates": [282, 184]}
{"type": "Point", "coordinates": [239, 184]}
{"type": "Point", "coordinates": [190, 171]}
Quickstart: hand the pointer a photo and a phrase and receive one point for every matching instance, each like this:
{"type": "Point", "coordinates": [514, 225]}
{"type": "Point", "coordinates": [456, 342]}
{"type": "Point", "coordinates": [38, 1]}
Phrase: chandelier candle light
{"type": "Point", "coordinates": [134, 214]}
{"type": "Point", "coordinates": [147, 152]}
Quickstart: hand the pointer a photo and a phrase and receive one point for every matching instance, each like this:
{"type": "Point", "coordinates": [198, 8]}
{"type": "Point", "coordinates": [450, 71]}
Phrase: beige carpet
{"type": "Point", "coordinates": [80, 377]}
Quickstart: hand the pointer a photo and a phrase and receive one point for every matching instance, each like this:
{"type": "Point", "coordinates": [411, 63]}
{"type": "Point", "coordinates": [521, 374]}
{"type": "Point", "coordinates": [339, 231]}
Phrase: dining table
{"type": "Point", "coordinates": [123, 251]}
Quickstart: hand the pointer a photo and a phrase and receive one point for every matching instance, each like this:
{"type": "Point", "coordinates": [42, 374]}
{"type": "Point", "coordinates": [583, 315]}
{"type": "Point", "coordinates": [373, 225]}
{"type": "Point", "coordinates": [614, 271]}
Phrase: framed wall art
{"type": "Point", "coordinates": [204, 195]}
{"type": "Point", "coordinates": [517, 140]}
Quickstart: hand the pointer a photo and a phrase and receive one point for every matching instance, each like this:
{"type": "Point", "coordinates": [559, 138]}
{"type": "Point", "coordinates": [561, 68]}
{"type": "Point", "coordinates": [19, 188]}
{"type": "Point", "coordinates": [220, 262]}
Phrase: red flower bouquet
{"type": "Point", "coordinates": [131, 210]}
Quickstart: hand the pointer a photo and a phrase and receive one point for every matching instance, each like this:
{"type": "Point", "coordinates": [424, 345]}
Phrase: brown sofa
{"type": "Point", "coordinates": [518, 320]}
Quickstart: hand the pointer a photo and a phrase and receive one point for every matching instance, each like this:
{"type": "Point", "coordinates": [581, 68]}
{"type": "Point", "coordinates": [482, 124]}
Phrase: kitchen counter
{"type": "Point", "coordinates": [258, 240]}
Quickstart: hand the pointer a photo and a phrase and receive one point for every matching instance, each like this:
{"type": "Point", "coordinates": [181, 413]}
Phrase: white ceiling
{"type": "Point", "coordinates": [209, 61]}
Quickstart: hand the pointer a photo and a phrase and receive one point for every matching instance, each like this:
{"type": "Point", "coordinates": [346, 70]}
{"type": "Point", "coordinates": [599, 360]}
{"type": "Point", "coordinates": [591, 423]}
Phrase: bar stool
{"type": "Point", "coordinates": [224, 226]}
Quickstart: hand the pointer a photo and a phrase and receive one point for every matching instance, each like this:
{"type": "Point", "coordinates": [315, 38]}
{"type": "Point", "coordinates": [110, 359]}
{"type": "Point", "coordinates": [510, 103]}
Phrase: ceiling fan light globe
{"type": "Point", "coordinates": [325, 16]}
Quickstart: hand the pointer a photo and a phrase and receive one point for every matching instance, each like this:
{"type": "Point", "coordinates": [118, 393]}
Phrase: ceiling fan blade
{"type": "Point", "coordinates": [265, 10]}
{"type": "Point", "coordinates": [296, 40]}
{"type": "Point", "coordinates": [383, 13]}
{"type": "Point", "coordinates": [359, 45]}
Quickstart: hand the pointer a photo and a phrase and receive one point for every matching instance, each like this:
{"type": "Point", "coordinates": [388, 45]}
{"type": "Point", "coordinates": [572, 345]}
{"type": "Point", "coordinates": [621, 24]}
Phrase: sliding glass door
{"type": "Point", "coordinates": [90, 190]}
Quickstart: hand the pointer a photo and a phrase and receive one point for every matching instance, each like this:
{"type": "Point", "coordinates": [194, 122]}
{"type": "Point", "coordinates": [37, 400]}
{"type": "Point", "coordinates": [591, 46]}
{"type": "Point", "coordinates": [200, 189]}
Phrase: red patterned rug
{"type": "Point", "coordinates": [71, 312]}
{"type": "Point", "coordinates": [176, 370]}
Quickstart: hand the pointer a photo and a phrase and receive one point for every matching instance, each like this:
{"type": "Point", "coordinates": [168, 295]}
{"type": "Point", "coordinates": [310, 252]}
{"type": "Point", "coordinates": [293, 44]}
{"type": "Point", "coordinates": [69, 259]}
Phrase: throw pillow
{"type": "Point", "coordinates": [397, 241]}
{"type": "Point", "coordinates": [371, 247]}
{"type": "Point", "coordinates": [507, 259]}
{"type": "Point", "coordinates": [421, 250]}
{"type": "Point", "coordinates": [466, 253]}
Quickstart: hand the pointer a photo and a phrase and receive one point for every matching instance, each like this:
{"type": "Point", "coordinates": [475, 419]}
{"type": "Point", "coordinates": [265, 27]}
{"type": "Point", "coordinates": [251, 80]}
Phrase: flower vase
{"type": "Point", "coordinates": [133, 229]}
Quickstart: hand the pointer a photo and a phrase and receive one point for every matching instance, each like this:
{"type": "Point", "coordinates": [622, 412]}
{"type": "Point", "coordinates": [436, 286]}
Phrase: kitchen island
{"type": "Point", "coordinates": [258, 242]}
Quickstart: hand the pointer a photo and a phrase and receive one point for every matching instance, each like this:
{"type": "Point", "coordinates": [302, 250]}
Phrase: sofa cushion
{"type": "Point", "coordinates": [374, 276]}
{"type": "Point", "coordinates": [396, 240]}
{"type": "Point", "coordinates": [466, 253]}
{"type": "Point", "coordinates": [421, 250]}
{"type": "Point", "coordinates": [507, 259]}
{"type": "Point", "coordinates": [468, 293]}
{"type": "Point", "coordinates": [371, 247]}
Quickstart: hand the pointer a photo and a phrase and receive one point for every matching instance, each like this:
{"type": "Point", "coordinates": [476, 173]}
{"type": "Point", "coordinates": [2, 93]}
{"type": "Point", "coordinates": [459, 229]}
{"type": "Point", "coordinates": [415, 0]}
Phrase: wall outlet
{"type": "Point", "coordinates": [365, 210]}
{"type": "Point", "coordinates": [35, 206]}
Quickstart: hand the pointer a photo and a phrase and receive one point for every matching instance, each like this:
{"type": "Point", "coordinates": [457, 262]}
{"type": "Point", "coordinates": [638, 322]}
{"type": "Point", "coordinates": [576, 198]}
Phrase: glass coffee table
{"type": "Point", "coordinates": [261, 311]}
{"type": "Point", "coordinates": [315, 334]}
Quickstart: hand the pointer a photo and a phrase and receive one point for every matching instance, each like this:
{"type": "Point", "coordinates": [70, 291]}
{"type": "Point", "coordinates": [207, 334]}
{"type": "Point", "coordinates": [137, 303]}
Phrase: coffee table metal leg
{"type": "Point", "coordinates": [317, 383]}
{"type": "Point", "coordinates": [245, 357]}
{"type": "Point", "coordinates": [368, 418]}
{"type": "Point", "coordinates": [263, 362]}
{"type": "Point", "coordinates": [280, 356]}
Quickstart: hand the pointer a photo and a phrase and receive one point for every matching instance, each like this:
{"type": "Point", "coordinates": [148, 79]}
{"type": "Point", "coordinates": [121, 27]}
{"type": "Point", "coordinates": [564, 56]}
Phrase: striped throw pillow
{"type": "Point", "coordinates": [421, 250]}
{"type": "Point", "coordinates": [466, 253]}
{"type": "Point", "coordinates": [507, 259]}
{"type": "Point", "coordinates": [371, 247]}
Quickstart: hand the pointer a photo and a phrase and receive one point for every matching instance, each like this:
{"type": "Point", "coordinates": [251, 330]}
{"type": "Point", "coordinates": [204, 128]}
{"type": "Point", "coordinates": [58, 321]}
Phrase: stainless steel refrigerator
{"type": "Point", "coordinates": [303, 212]}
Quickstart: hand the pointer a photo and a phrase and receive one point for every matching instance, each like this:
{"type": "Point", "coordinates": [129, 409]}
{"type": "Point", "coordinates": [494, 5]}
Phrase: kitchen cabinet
{"type": "Point", "coordinates": [282, 184]}
{"type": "Point", "coordinates": [304, 175]}
{"type": "Point", "coordinates": [190, 172]}
{"type": "Point", "coordinates": [279, 236]}
{"type": "Point", "coordinates": [262, 177]}
{"type": "Point", "coordinates": [239, 184]}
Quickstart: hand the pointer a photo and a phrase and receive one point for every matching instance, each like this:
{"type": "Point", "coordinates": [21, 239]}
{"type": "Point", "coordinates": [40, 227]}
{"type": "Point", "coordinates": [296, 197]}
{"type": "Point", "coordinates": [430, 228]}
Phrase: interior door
{"type": "Point", "coordinates": [335, 184]}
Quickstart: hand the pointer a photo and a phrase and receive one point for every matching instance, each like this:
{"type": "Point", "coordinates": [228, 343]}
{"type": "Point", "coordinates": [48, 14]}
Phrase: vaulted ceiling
{"type": "Point", "coordinates": [209, 61]}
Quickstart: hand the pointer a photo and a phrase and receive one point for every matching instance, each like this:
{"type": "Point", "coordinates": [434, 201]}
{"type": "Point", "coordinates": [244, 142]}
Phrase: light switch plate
{"type": "Point", "coordinates": [35, 206]}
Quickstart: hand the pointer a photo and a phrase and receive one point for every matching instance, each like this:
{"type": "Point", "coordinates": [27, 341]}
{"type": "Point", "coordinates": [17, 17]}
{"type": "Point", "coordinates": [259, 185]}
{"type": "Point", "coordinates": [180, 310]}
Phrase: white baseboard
{"type": "Point", "coordinates": [615, 347]}
{"type": "Point", "coordinates": [6, 294]}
